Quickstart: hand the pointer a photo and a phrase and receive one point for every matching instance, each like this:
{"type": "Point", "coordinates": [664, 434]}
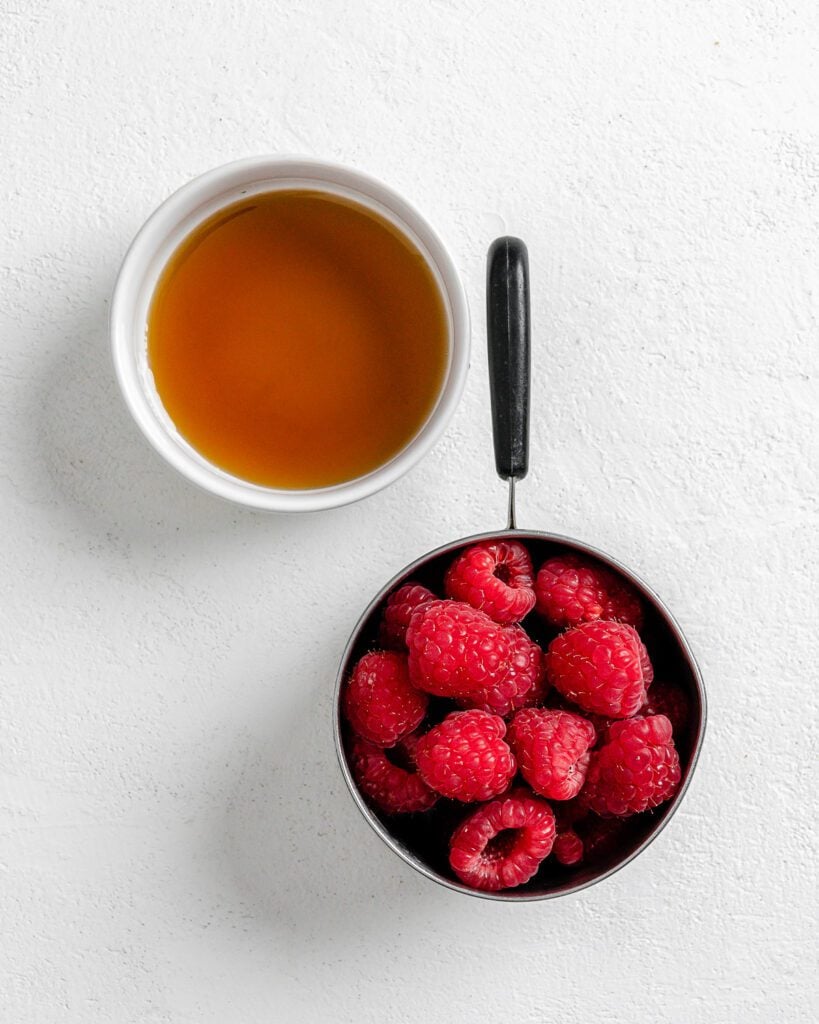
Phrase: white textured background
{"type": "Point", "coordinates": [176, 842]}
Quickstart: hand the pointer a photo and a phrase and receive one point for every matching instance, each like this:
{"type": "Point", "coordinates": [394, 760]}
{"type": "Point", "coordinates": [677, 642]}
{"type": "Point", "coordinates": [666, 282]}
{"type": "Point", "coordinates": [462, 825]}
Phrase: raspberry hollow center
{"type": "Point", "coordinates": [501, 844]}
{"type": "Point", "coordinates": [502, 572]}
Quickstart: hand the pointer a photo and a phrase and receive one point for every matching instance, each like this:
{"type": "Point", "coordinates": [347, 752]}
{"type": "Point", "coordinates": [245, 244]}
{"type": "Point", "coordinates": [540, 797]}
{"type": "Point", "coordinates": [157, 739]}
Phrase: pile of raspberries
{"type": "Point", "coordinates": [552, 748]}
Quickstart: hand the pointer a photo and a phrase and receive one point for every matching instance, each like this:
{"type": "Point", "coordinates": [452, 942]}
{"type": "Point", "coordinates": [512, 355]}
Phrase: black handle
{"type": "Point", "coordinates": [507, 321]}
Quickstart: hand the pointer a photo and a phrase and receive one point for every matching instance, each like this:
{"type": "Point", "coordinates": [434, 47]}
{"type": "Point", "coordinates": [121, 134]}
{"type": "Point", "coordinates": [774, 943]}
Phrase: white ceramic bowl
{"type": "Point", "coordinates": [157, 240]}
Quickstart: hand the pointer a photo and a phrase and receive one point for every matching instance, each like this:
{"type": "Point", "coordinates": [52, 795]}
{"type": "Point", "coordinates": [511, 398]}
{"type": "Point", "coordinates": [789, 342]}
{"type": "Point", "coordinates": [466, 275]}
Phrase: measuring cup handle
{"type": "Point", "coordinates": [507, 320]}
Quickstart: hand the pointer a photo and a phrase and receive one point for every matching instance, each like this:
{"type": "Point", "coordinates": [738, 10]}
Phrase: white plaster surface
{"type": "Point", "coordinates": [176, 843]}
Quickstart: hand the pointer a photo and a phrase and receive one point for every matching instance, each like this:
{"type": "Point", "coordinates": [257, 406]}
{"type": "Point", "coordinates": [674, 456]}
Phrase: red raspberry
{"type": "Point", "coordinates": [669, 699]}
{"type": "Point", "coordinates": [602, 666]}
{"type": "Point", "coordinates": [495, 576]}
{"type": "Point", "coordinates": [636, 769]}
{"type": "Point", "coordinates": [393, 788]}
{"type": "Point", "coordinates": [568, 848]}
{"type": "Point", "coordinates": [455, 650]}
{"type": "Point", "coordinates": [552, 750]}
{"type": "Point", "coordinates": [465, 757]}
{"type": "Point", "coordinates": [571, 590]}
{"type": "Point", "coordinates": [380, 703]}
{"type": "Point", "coordinates": [522, 685]}
{"type": "Point", "coordinates": [399, 610]}
{"type": "Point", "coordinates": [504, 842]}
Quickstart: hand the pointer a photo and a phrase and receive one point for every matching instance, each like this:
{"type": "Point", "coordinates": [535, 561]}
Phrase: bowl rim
{"type": "Point", "coordinates": [225, 181]}
{"type": "Point", "coordinates": [510, 895]}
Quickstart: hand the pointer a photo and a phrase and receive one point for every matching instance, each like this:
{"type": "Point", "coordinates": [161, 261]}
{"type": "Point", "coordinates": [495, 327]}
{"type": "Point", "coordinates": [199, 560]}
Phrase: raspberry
{"type": "Point", "coordinates": [380, 703]}
{"type": "Point", "coordinates": [523, 683]}
{"type": "Point", "coordinates": [495, 576]}
{"type": "Point", "coordinates": [503, 843]}
{"type": "Point", "coordinates": [552, 750]}
{"type": "Point", "coordinates": [669, 699]}
{"type": "Point", "coordinates": [465, 757]}
{"type": "Point", "coordinates": [399, 610]}
{"type": "Point", "coordinates": [456, 650]}
{"type": "Point", "coordinates": [602, 666]}
{"type": "Point", "coordinates": [568, 848]}
{"type": "Point", "coordinates": [392, 788]}
{"type": "Point", "coordinates": [571, 590]}
{"type": "Point", "coordinates": [636, 769]}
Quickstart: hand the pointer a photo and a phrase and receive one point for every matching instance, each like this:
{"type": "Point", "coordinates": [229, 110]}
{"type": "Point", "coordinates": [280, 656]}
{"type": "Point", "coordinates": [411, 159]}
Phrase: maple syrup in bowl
{"type": "Point", "coordinates": [290, 334]}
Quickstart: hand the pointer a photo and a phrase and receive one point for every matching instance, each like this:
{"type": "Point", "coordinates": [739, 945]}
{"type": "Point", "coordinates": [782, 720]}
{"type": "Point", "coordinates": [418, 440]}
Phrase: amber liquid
{"type": "Point", "coordinates": [298, 340]}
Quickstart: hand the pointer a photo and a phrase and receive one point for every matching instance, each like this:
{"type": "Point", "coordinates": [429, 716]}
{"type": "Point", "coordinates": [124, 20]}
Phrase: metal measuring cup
{"type": "Point", "coordinates": [421, 840]}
